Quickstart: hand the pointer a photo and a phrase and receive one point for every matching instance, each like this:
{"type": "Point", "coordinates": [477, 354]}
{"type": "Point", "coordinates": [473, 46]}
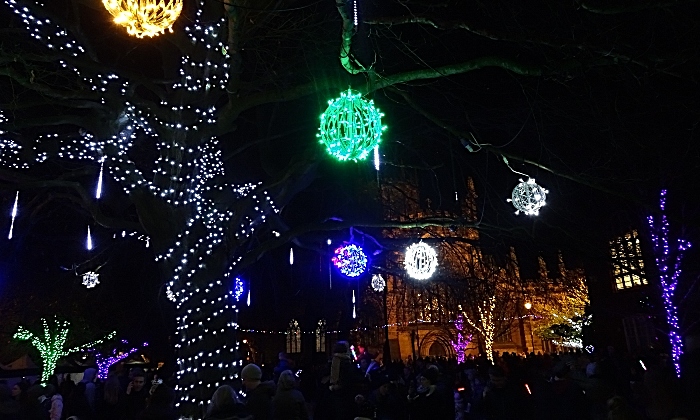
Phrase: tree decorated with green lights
{"type": "Point", "coordinates": [51, 344]}
{"type": "Point", "coordinates": [172, 121]}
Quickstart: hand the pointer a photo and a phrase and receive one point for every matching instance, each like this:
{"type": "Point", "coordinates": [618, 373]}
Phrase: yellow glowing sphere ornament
{"type": "Point", "coordinates": [144, 17]}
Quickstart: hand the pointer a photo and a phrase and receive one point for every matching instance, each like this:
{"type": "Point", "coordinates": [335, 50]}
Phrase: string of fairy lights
{"type": "Point", "coordinates": [371, 328]}
{"type": "Point", "coordinates": [668, 261]}
{"type": "Point", "coordinates": [189, 174]}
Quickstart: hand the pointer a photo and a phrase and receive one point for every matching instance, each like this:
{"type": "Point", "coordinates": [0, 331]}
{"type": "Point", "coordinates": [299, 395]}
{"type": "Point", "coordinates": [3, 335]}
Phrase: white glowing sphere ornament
{"type": "Point", "coordinates": [378, 283]}
{"type": "Point", "coordinates": [420, 261]}
{"type": "Point", "coordinates": [91, 279]}
{"type": "Point", "coordinates": [528, 197]}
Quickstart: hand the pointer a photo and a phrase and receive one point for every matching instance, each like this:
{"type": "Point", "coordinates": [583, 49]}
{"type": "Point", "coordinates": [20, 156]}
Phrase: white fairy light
{"type": "Point", "coordinates": [14, 215]}
{"type": "Point", "coordinates": [354, 8]}
{"type": "Point", "coordinates": [91, 279]}
{"type": "Point", "coordinates": [248, 300]}
{"type": "Point", "coordinates": [88, 243]}
{"type": "Point", "coordinates": [378, 283]}
{"type": "Point", "coordinates": [420, 261]}
{"type": "Point", "coordinates": [528, 197]}
{"type": "Point", "coordinates": [291, 256]}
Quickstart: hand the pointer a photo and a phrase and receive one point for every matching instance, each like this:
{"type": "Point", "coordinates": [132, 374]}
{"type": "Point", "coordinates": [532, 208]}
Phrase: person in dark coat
{"type": "Point", "coordinates": [37, 406]}
{"type": "Point", "coordinates": [343, 381]}
{"type": "Point", "coordinates": [225, 405]}
{"type": "Point", "coordinates": [108, 407]}
{"type": "Point", "coordinates": [288, 403]}
{"type": "Point", "coordinates": [160, 404]}
{"type": "Point", "coordinates": [77, 403]}
{"type": "Point", "coordinates": [135, 399]}
{"type": "Point", "coordinates": [430, 402]}
{"type": "Point", "coordinates": [383, 403]}
{"type": "Point", "coordinates": [566, 398]}
{"type": "Point", "coordinates": [9, 407]}
{"type": "Point", "coordinates": [282, 365]}
{"type": "Point", "coordinates": [259, 394]}
{"type": "Point", "coordinates": [504, 400]}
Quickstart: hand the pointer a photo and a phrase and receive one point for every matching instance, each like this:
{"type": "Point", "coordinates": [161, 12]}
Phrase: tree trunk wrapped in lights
{"type": "Point", "coordinates": [668, 261]}
{"type": "Point", "coordinates": [485, 324]}
{"type": "Point", "coordinates": [462, 340]}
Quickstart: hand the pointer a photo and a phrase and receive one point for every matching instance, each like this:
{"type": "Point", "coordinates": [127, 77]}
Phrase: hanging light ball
{"type": "Point", "coordinates": [351, 127]}
{"type": "Point", "coordinates": [528, 197]}
{"type": "Point", "coordinates": [237, 291]}
{"type": "Point", "coordinates": [420, 261]}
{"type": "Point", "coordinates": [91, 279]}
{"type": "Point", "coordinates": [350, 260]}
{"type": "Point", "coordinates": [378, 283]}
{"type": "Point", "coordinates": [144, 17]}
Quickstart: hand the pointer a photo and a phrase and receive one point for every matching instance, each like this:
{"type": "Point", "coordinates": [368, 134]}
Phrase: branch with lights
{"type": "Point", "coordinates": [104, 361]}
{"type": "Point", "coordinates": [485, 325]}
{"type": "Point", "coordinates": [51, 344]}
{"type": "Point", "coordinates": [462, 340]}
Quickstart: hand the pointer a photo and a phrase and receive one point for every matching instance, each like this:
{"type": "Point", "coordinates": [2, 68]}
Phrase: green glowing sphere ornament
{"type": "Point", "coordinates": [351, 127]}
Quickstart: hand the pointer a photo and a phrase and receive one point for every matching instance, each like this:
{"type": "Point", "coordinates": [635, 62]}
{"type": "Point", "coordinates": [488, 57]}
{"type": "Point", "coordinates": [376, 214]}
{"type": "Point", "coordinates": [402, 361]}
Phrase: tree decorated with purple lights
{"type": "Point", "coordinates": [460, 345]}
{"type": "Point", "coordinates": [668, 260]}
{"type": "Point", "coordinates": [104, 361]}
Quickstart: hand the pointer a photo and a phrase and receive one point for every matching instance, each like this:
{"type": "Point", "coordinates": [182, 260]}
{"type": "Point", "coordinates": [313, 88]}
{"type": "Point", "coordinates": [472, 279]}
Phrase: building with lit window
{"type": "Point", "coordinates": [499, 306]}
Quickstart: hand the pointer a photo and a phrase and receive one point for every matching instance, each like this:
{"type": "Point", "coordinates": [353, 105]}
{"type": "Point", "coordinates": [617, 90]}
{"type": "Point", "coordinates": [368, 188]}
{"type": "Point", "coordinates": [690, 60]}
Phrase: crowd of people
{"type": "Point", "coordinates": [571, 386]}
{"type": "Point", "coordinates": [121, 396]}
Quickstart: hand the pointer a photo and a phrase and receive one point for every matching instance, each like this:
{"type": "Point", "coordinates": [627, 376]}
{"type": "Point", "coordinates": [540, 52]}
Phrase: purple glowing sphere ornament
{"type": "Point", "coordinates": [350, 260]}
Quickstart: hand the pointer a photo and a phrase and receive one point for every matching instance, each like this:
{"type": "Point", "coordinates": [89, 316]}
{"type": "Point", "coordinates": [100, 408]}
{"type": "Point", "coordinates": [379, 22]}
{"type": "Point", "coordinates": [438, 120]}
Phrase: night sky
{"type": "Point", "coordinates": [613, 134]}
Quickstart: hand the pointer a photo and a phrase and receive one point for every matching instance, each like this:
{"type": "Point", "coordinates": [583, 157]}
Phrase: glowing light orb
{"type": "Point", "coordinates": [237, 291]}
{"type": "Point", "coordinates": [144, 17]}
{"type": "Point", "coordinates": [421, 261]}
{"type": "Point", "coordinates": [528, 197]}
{"type": "Point", "coordinates": [91, 279]}
{"type": "Point", "coordinates": [351, 127]}
{"type": "Point", "coordinates": [350, 260]}
{"type": "Point", "coordinates": [378, 283]}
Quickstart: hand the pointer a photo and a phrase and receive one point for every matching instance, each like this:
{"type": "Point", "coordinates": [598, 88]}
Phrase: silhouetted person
{"type": "Point", "coordinates": [259, 394]}
{"type": "Point", "coordinates": [225, 405]}
{"type": "Point", "coordinates": [288, 403]}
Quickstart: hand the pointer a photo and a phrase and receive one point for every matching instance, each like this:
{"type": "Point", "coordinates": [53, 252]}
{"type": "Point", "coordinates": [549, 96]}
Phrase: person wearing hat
{"type": "Point", "coordinates": [259, 394]}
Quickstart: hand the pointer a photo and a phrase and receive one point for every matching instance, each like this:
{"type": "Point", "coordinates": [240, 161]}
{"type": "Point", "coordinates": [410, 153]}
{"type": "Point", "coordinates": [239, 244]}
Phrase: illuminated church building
{"type": "Point", "coordinates": [497, 305]}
